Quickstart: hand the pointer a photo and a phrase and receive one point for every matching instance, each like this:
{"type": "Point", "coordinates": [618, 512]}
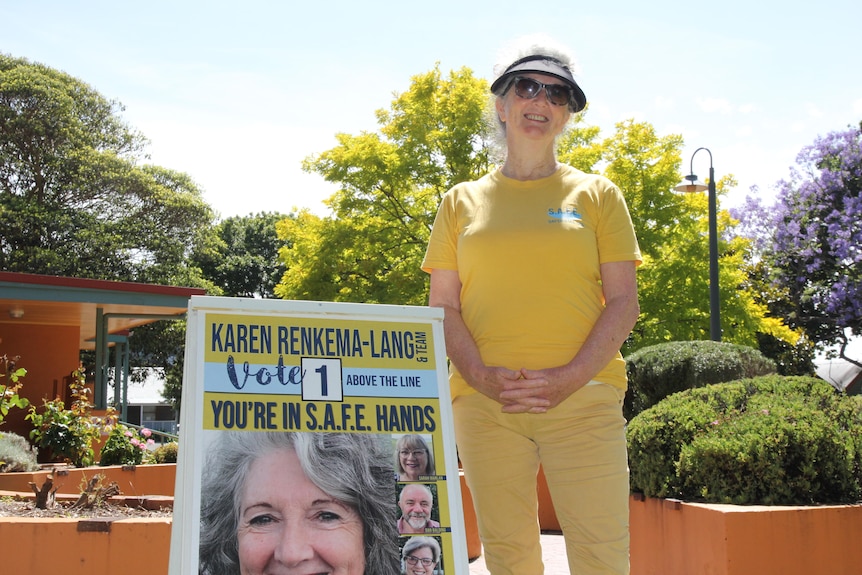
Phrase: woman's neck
{"type": "Point", "coordinates": [529, 163]}
{"type": "Point", "coordinates": [520, 170]}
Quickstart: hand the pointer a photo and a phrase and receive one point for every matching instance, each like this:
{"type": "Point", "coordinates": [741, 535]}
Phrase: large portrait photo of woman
{"type": "Point", "coordinates": [310, 502]}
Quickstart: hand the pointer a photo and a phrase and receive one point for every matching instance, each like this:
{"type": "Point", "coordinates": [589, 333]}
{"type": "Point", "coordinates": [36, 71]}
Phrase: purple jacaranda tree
{"type": "Point", "coordinates": [810, 240]}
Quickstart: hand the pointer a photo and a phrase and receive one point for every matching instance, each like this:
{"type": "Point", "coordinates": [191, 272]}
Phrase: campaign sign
{"type": "Point", "coordinates": [318, 437]}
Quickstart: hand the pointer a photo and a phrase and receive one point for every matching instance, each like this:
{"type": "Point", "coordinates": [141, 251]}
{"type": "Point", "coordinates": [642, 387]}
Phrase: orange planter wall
{"type": "Point", "coordinates": [35, 546]}
{"type": "Point", "coordinates": [670, 537]}
{"type": "Point", "coordinates": [547, 516]}
{"type": "Point", "coordinates": [471, 526]}
{"type": "Point", "coordinates": [140, 480]}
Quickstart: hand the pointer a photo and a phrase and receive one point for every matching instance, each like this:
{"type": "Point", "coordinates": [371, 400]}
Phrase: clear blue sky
{"type": "Point", "coordinates": [236, 94]}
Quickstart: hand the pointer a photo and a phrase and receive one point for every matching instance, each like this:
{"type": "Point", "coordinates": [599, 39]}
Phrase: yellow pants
{"type": "Point", "coordinates": [582, 449]}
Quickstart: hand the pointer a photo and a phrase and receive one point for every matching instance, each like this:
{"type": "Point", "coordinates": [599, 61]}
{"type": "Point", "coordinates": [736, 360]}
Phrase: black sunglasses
{"type": "Point", "coordinates": [528, 88]}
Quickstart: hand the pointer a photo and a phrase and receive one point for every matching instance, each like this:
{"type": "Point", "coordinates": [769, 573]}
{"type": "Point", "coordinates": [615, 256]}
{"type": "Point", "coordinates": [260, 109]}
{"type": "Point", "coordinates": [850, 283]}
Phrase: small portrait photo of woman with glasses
{"type": "Point", "coordinates": [414, 458]}
{"type": "Point", "coordinates": [421, 556]}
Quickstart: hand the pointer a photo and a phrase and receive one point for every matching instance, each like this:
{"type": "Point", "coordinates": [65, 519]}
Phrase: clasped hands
{"type": "Point", "coordinates": [526, 390]}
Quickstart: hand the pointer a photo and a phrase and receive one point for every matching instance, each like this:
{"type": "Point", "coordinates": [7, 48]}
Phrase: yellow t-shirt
{"type": "Point", "coordinates": [528, 256]}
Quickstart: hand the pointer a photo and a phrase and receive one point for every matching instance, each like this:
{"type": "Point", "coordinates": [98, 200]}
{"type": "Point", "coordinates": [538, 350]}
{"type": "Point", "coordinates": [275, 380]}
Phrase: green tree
{"type": "Point", "coordinates": [76, 199]}
{"type": "Point", "coordinates": [391, 182]}
{"type": "Point", "coordinates": [671, 228]}
{"type": "Point", "coordinates": [73, 199]}
{"type": "Point", "coordinates": [241, 258]}
{"type": "Point", "coordinates": [646, 167]}
{"type": "Point", "coordinates": [436, 135]}
{"type": "Point", "coordinates": [810, 240]}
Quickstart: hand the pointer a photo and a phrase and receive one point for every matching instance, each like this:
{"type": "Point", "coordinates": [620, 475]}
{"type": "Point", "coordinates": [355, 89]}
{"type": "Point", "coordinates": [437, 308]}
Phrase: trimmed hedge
{"type": "Point", "coordinates": [166, 453]}
{"type": "Point", "coordinates": [658, 371]}
{"type": "Point", "coordinates": [770, 440]}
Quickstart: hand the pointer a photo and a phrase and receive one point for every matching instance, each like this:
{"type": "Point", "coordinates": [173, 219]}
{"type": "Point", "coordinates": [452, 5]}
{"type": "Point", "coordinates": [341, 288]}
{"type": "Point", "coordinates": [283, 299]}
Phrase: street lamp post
{"type": "Point", "coordinates": [692, 185]}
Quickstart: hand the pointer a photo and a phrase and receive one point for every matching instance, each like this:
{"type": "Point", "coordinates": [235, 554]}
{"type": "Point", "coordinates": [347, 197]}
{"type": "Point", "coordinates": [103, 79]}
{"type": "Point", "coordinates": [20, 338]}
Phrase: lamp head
{"type": "Point", "coordinates": [691, 185]}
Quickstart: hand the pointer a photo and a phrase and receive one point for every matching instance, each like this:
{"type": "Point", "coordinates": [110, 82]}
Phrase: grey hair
{"type": "Point", "coordinates": [352, 468]}
{"type": "Point", "coordinates": [413, 441]}
{"type": "Point", "coordinates": [532, 45]}
{"type": "Point", "coordinates": [521, 47]}
{"type": "Point", "coordinates": [415, 543]}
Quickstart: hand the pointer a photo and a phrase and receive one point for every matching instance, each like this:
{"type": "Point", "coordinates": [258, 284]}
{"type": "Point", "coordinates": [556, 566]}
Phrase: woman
{"type": "Point", "coordinates": [413, 458]}
{"type": "Point", "coordinates": [319, 502]}
{"type": "Point", "coordinates": [420, 556]}
{"type": "Point", "coordinates": [534, 266]}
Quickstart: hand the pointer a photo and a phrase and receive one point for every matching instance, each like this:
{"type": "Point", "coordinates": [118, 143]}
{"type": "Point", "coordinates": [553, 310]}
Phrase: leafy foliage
{"type": "Point", "coordinates": [241, 257]}
{"type": "Point", "coordinates": [770, 440]}
{"type": "Point", "coordinates": [125, 446]}
{"type": "Point", "coordinates": [10, 383]}
{"type": "Point", "coordinates": [790, 358]}
{"type": "Point", "coordinates": [69, 434]}
{"type": "Point", "coordinates": [73, 200]}
{"type": "Point", "coordinates": [657, 371]}
{"type": "Point", "coordinates": [672, 228]}
{"type": "Point", "coordinates": [391, 183]}
{"type": "Point", "coordinates": [436, 135]}
{"type": "Point", "coordinates": [811, 240]}
{"type": "Point", "coordinates": [166, 453]}
{"type": "Point", "coordinates": [646, 167]}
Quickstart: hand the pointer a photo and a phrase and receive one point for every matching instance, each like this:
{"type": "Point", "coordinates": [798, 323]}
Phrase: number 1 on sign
{"type": "Point", "coordinates": [322, 379]}
{"type": "Point", "coordinates": [324, 389]}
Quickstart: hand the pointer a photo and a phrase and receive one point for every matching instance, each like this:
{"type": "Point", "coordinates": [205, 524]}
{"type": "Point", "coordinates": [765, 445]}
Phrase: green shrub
{"type": "Point", "coordinates": [166, 453]}
{"type": "Point", "coordinates": [69, 434]}
{"type": "Point", "coordinates": [770, 440]}
{"type": "Point", "coordinates": [790, 359]}
{"type": "Point", "coordinates": [16, 454]}
{"type": "Point", "coordinates": [660, 370]}
{"type": "Point", "coordinates": [125, 446]}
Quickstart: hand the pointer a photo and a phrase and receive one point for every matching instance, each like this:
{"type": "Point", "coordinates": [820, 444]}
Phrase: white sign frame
{"type": "Point", "coordinates": [248, 372]}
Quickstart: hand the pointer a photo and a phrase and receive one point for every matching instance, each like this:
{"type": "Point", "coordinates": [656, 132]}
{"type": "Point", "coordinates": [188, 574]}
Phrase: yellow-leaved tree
{"type": "Point", "coordinates": [391, 182]}
{"type": "Point", "coordinates": [673, 282]}
{"type": "Point", "coordinates": [436, 135]}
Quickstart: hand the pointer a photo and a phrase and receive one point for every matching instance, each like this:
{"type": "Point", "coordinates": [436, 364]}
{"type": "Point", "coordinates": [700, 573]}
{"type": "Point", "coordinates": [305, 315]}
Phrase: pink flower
{"type": "Point", "coordinates": [146, 432]}
{"type": "Point", "coordinates": [128, 434]}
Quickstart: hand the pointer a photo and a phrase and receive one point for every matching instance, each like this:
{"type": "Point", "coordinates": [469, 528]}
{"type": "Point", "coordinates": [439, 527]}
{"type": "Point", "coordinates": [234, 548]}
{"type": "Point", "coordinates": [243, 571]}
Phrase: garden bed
{"type": "Point", "coordinates": [129, 533]}
{"type": "Point", "coordinates": [15, 504]}
{"type": "Point", "coordinates": [137, 480]}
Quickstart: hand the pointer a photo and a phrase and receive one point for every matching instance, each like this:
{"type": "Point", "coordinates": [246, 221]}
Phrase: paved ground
{"type": "Point", "coordinates": [553, 554]}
